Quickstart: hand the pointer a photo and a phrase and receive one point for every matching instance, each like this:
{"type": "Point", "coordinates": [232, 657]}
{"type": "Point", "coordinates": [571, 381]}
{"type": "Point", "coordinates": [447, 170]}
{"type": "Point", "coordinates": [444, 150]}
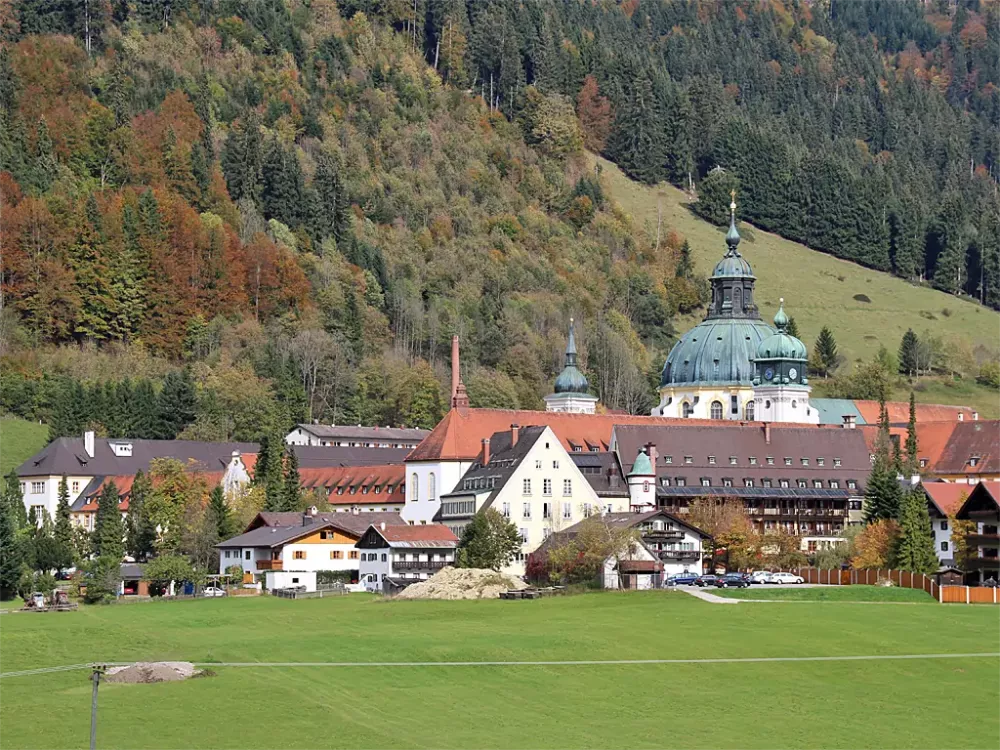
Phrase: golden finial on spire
{"type": "Point", "coordinates": [732, 195]}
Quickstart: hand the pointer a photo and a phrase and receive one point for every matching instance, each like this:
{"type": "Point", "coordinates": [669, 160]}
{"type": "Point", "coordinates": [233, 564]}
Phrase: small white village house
{"type": "Point", "coordinates": [404, 553]}
{"type": "Point", "coordinates": [304, 542]}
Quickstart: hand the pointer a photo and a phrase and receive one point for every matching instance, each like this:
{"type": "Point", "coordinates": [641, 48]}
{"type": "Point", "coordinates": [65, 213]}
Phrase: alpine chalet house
{"type": "Point", "coordinates": [943, 501]}
{"type": "Point", "coordinates": [393, 555]}
{"type": "Point", "coordinates": [666, 545]}
{"type": "Point", "coordinates": [305, 542]}
{"type": "Point", "coordinates": [527, 476]}
{"type": "Point", "coordinates": [983, 508]}
{"type": "Point", "coordinates": [808, 481]}
{"type": "Point", "coordinates": [349, 436]}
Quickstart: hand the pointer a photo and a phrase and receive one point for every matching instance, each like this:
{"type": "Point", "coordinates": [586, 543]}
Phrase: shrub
{"type": "Point", "coordinates": [337, 576]}
{"type": "Point", "coordinates": [862, 298]}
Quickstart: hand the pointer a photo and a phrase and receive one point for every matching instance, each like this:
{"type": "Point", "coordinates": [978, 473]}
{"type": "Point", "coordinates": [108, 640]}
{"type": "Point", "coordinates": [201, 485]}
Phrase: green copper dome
{"type": "Point", "coordinates": [721, 349]}
{"type": "Point", "coordinates": [571, 380]}
{"type": "Point", "coordinates": [642, 465]}
{"type": "Point", "coordinates": [717, 351]}
{"type": "Point", "coordinates": [781, 345]}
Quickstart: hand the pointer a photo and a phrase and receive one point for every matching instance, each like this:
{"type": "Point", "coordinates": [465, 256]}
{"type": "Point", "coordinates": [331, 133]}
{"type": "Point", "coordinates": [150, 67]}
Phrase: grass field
{"type": "Point", "coordinates": [19, 441]}
{"type": "Point", "coordinates": [836, 704]}
{"type": "Point", "coordinates": [818, 288]}
{"type": "Point", "coordinates": [831, 594]}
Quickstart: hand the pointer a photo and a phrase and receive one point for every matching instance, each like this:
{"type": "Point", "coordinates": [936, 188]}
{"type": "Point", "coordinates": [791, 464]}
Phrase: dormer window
{"type": "Point", "coordinates": [820, 461]}
{"type": "Point", "coordinates": [727, 482]}
{"type": "Point", "coordinates": [923, 463]}
{"type": "Point", "coordinates": [688, 459]}
{"type": "Point", "coordinates": [711, 459]}
{"type": "Point", "coordinates": [973, 460]}
{"type": "Point", "coordinates": [770, 460]}
{"type": "Point", "coordinates": [836, 463]}
{"type": "Point", "coordinates": [733, 460]}
{"type": "Point", "coordinates": [805, 461]}
{"type": "Point", "coordinates": [668, 459]}
{"type": "Point", "coordinates": [753, 460]}
{"type": "Point", "coordinates": [788, 461]}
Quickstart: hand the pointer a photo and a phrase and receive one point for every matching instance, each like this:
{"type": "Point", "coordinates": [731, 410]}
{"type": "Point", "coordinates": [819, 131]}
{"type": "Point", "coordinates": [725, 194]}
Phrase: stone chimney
{"type": "Point", "coordinates": [651, 452]}
{"type": "Point", "coordinates": [486, 451]}
{"type": "Point", "coordinates": [306, 518]}
{"type": "Point", "coordinates": [515, 432]}
{"type": "Point", "coordinates": [88, 442]}
{"type": "Point", "coordinates": [767, 433]}
{"type": "Point", "coordinates": [850, 422]}
{"type": "Point", "coordinates": [382, 526]}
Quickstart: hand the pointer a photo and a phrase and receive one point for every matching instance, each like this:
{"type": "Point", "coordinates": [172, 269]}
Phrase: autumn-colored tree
{"type": "Point", "coordinates": [595, 116]}
{"type": "Point", "coordinates": [580, 557]}
{"type": "Point", "coordinates": [726, 520]}
{"type": "Point", "coordinates": [875, 545]}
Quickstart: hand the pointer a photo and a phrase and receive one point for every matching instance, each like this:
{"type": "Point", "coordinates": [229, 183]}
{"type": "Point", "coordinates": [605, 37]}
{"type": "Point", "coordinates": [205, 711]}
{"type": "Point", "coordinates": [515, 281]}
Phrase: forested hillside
{"type": "Point", "coordinates": [296, 207]}
{"type": "Point", "coordinates": [220, 217]}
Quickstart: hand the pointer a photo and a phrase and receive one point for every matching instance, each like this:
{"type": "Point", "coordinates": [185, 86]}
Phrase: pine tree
{"type": "Point", "coordinates": [292, 483]}
{"type": "Point", "coordinates": [793, 328]}
{"type": "Point", "coordinates": [715, 195]}
{"type": "Point", "coordinates": [220, 515]}
{"type": "Point", "coordinates": [11, 556]}
{"type": "Point", "coordinates": [685, 267]}
{"type": "Point", "coordinates": [282, 196]}
{"type": "Point", "coordinates": [12, 501]}
{"type": "Point", "coordinates": [912, 462]}
{"type": "Point", "coordinates": [269, 471]}
{"type": "Point", "coordinates": [882, 492]}
{"type": "Point", "coordinates": [909, 354]}
{"type": "Point", "coordinates": [139, 529]}
{"type": "Point", "coordinates": [915, 546]}
{"type": "Point", "coordinates": [44, 168]}
{"type": "Point", "coordinates": [826, 348]}
{"type": "Point", "coordinates": [177, 403]}
{"type": "Point", "coordinates": [64, 527]}
{"type": "Point", "coordinates": [109, 536]}
{"type": "Point", "coordinates": [145, 419]}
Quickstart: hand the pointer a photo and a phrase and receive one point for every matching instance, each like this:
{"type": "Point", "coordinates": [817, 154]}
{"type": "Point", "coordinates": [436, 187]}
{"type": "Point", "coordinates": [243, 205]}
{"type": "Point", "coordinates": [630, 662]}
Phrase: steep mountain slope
{"type": "Point", "coordinates": [818, 288]}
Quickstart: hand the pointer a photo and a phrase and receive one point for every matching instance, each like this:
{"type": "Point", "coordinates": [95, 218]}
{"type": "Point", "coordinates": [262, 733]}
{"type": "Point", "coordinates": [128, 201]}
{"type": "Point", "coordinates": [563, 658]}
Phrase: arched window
{"type": "Point", "coordinates": [645, 486]}
{"type": "Point", "coordinates": [432, 488]}
{"type": "Point", "coordinates": [716, 410]}
{"type": "Point", "coordinates": [686, 410]}
{"type": "Point", "coordinates": [414, 488]}
{"type": "Point", "coordinates": [737, 298]}
{"type": "Point", "coordinates": [750, 410]}
{"type": "Point", "coordinates": [795, 404]}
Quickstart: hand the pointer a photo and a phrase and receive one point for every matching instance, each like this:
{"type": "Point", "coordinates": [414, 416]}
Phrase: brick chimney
{"type": "Point", "coordinates": [651, 452]}
{"type": "Point", "coordinates": [767, 433]}
{"type": "Point", "coordinates": [459, 396]}
{"type": "Point", "coordinates": [486, 451]}
{"type": "Point", "coordinates": [515, 433]}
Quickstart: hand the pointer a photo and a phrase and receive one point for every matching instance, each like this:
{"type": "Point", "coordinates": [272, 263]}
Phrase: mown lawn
{"type": "Point", "coordinates": [19, 441]}
{"type": "Point", "coordinates": [831, 594]}
{"type": "Point", "coordinates": [814, 704]}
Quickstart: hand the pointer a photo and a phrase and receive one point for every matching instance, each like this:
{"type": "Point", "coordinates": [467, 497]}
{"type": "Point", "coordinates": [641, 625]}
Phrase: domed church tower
{"type": "Point", "coordinates": [781, 388]}
{"type": "Point", "coordinates": [709, 372]}
{"type": "Point", "coordinates": [572, 391]}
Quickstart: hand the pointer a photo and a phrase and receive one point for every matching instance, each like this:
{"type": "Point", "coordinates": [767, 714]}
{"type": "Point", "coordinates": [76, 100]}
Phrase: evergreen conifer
{"type": "Point", "coordinates": [220, 514]}
{"type": "Point", "coordinates": [292, 483]}
{"type": "Point", "coordinates": [826, 349]}
{"type": "Point", "coordinates": [64, 527]}
{"type": "Point", "coordinates": [109, 536]}
{"type": "Point", "coordinates": [912, 462]}
{"type": "Point", "coordinates": [915, 546]}
{"type": "Point", "coordinates": [140, 531]}
{"type": "Point", "coordinates": [909, 354]}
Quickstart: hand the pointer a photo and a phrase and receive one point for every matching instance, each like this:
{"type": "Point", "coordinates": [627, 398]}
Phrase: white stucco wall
{"type": "Point", "coordinates": [781, 404]}
{"type": "Point", "coordinates": [947, 557]}
{"type": "Point", "coordinates": [373, 571]}
{"type": "Point", "coordinates": [420, 507]}
{"type": "Point", "coordinates": [280, 579]}
{"type": "Point", "coordinates": [705, 395]}
{"type": "Point", "coordinates": [49, 497]}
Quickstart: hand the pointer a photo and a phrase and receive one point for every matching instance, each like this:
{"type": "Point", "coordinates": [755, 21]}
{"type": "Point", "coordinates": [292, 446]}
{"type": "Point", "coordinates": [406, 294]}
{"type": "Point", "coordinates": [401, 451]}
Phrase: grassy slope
{"type": "Point", "coordinates": [831, 594]}
{"type": "Point", "coordinates": [811, 283]}
{"type": "Point", "coordinates": [19, 441]}
{"type": "Point", "coordinates": [826, 704]}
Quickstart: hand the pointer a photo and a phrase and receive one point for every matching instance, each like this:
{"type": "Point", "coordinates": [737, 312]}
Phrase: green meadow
{"type": "Point", "coordinates": [830, 704]}
{"type": "Point", "coordinates": [19, 441]}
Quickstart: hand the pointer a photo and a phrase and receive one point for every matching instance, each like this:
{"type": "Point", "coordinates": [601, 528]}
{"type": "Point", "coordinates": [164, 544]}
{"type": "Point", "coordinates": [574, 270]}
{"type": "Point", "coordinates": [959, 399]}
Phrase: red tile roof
{"type": "Point", "coordinates": [639, 566]}
{"type": "Point", "coordinates": [979, 439]}
{"type": "Point", "coordinates": [459, 436]}
{"type": "Point", "coordinates": [124, 485]}
{"type": "Point", "coordinates": [433, 532]}
{"type": "Point", "coordinates": [947, 496]}
{"type": "Point", "coordinates": [899, 412]}
{"type": "Point", "coordinates": [339, 481]}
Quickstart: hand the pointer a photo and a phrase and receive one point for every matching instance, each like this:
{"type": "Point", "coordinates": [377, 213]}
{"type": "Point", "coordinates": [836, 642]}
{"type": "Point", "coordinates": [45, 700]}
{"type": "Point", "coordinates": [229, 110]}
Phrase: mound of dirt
{"type": "Point", "coordinates": [146, 672]}
{"type": "Point", "coordinates": [463, 583]}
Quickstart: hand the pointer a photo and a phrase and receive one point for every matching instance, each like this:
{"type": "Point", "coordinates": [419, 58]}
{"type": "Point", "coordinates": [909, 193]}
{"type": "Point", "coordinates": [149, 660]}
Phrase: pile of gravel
{"type": "Point", "coordinates": [463, 583]}
{"type": "Point", "coordinates": [146, 672]}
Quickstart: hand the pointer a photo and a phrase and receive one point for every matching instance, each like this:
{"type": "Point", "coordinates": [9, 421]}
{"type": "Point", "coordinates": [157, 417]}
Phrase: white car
{"type": "Point", "coordinates": [213, 591]}
{"type": "Point", "coordinates": [785, 578]}
{"type": "Point", "coordinates": [760, 576]}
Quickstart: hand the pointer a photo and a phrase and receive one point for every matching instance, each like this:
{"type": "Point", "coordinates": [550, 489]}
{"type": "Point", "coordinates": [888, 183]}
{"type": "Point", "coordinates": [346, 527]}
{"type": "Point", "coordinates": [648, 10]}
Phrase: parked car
{"type": "Point", "coordinates": [760, 576]}
{"type": "Point", "coordinates": [705, 580]}
{"type": "Point", "coordinates": [682, 579]}
{"type": "Point", "coordinates": [733, 580]}
{"type": "Point", "coordinates": [786, 578]}
{"type": "Point", "coordinates": [213, 591]}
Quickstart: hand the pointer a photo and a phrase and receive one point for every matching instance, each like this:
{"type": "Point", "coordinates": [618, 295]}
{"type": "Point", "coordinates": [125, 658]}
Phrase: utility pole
{"type": "Point", "coordinates": [95, 676]}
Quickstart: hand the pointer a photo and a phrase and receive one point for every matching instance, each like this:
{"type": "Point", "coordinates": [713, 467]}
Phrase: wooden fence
{"type": "Point", "coordinates": [902, 578]}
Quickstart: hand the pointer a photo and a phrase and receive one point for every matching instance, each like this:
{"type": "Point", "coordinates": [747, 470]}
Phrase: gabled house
{"type": "Point", "coordinates": [527, 476]}
{"type": "Point", "coordinates": [972, 453]}
{"type": "Point", "coordinates": [309, 541]}
{"type": "Point", "coordinates": [400, 553]}
{"type": "Point", "coordinates": [944, 500]}
{"type": "Point", "coordinates": [983, 508]}
{"type": "Point", "coordinates": [379, 488]}
{"type": "Point", "coordinates": [666, 545]}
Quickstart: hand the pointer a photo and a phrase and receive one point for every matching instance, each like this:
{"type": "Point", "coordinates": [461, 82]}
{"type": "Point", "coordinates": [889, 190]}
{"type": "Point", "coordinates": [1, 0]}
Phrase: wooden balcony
{"type": "Point", "coordinates": [269, 565]}
{"type": "Point", "coordinates": [678, 554]}
{"type": "Point", "coordinates": [661, 534]}
{"type": "Point", "coordinates": [983, 540]}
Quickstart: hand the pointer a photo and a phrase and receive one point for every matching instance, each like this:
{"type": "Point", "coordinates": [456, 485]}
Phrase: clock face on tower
{"type": "Point", "coordinates": [792, 373]}
{"type": "Point", "coordinates": [768, 373]}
